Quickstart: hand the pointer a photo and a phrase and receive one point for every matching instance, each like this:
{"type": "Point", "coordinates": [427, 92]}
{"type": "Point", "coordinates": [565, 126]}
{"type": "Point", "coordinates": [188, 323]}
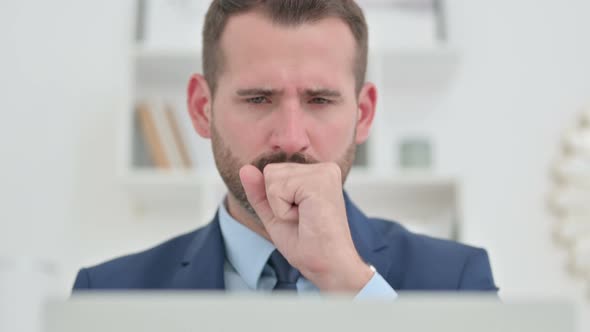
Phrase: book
{"type": "Point", "coordinates": [177, 135]}
{"type": "Point", "coordinates": [165, 134]}
{"type": "Point", "coordinates": [150, 135]}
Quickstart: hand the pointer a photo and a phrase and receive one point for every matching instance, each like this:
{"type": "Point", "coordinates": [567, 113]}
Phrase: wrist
{"type": "Point", "coordinates": [361, 277]}
{"type": "Point", "coordinates": [351, 279]}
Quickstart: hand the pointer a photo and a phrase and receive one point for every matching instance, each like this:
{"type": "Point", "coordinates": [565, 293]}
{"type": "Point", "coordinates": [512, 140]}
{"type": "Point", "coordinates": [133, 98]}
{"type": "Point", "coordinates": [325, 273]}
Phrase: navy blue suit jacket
{"type": "Point", "coordinates": [195, 260]}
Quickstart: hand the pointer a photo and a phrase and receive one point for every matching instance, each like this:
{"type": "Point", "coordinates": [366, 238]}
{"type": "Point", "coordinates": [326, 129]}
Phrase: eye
{"type": "Point", "coordinates": [258, 100]}
{"type": "Point", "coordinates": [320, 100]}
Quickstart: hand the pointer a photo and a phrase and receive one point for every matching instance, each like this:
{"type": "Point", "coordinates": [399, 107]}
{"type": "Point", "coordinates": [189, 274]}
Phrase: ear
{"type": "Point", "coordinates": [199, 105]}
{"type": "Point", "coordinates": [366, 113]}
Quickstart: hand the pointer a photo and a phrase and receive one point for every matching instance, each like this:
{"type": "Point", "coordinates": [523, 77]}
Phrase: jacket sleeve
{"type": "Point", "coordinates": [477, 273]}
{"type": "Point", "coordinates": [82, 280]}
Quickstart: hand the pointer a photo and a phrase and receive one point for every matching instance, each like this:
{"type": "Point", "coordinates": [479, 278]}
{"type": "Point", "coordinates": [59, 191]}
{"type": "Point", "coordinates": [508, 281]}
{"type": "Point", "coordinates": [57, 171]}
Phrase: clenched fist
{"type": "Point", "coordinates": [302, 209]}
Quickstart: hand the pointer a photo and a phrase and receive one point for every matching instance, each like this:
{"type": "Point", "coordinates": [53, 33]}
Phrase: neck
{"type": "Point", "coordinates": [239, 213]}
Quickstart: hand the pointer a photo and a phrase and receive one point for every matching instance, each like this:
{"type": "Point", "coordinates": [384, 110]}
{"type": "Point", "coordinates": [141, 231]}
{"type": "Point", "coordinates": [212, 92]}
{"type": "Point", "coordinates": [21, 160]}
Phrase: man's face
{"type": "Point", "coordinates": [286, 94]}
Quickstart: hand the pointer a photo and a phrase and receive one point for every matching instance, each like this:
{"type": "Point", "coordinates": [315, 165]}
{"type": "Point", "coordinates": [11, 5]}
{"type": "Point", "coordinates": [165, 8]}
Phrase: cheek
{"type": "Point", "coordinates": [241, 136]}
{"type": "Point", "coordinates": [331, 138]}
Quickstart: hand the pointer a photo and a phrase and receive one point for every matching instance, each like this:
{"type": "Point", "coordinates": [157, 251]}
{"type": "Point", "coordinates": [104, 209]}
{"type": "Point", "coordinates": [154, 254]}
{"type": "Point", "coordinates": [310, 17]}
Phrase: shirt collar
{"type": "Point", "coordinates": [246, 251]}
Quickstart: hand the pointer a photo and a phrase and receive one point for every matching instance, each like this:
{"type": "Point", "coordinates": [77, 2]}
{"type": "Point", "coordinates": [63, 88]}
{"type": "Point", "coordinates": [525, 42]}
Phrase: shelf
{"type": "Point", "coordinates": [183, 181]}
{"type": "Point", "coordinates": [421, 201]}
{"type": "Point", "coordinates": [357, 177]}
{"type": "Point", "coordinates": [182, 178]}
{"type": "Point", "coordinates": [424, 202]}
{"type": "Point", "coordinates": [164, 67]}
{"type": "Point", "coordinates": [442, 51]}
{"type": "Point", "coordinates": [397, 68]}
{"type": "Point", "coordinates": [414, 199]}
{"type": "Point", "coordinates": [174, 193]}
{"type": "Point", "coordinates": [412, 69]}
{"type": "Point", "coordinates": [411, 63]}
{"type": "Point", "coordinates": [361, 176]}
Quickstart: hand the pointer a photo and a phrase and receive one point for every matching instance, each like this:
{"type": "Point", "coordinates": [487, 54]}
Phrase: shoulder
{"type": "Point", "coordinates": [149, 268]}
{"type": "Point", "coordinates": [425, 262]}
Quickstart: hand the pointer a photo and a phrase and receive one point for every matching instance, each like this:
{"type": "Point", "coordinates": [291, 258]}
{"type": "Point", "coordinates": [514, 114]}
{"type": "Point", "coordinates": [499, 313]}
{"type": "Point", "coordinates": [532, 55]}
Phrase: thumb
{"type": "Point", "coordinates": [253, 183]}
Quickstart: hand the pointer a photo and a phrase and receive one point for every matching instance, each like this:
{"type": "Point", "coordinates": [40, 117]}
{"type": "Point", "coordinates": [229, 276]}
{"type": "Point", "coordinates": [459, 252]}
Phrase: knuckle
{"type": "Point", "coordinates": [272, 189]}
{"type": "Point", "coordinates": [334, 170]}
{"type": "Point", "coordinates": [287, 183]}
{"type": "Point", "coordinates": [267, 171]}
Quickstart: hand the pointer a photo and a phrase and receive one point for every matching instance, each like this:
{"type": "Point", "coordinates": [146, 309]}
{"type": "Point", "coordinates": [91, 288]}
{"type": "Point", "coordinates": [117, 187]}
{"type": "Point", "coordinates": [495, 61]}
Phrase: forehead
{"type": "Point", "coordinates": [257, 49]}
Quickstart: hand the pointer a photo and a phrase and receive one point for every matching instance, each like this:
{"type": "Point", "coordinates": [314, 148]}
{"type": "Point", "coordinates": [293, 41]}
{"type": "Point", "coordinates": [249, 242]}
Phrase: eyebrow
{"type": "Point", "coordinates": [256, 92]}
{"type": "Point", "coordinates": [272, 92]}
{"type": "Point", "coordinates": [322, 93]}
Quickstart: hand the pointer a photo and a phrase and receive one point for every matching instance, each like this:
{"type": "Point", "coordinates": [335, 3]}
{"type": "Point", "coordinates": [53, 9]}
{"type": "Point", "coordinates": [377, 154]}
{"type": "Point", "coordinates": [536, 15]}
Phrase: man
{"type": "Point", "coordinates": [284, 101]}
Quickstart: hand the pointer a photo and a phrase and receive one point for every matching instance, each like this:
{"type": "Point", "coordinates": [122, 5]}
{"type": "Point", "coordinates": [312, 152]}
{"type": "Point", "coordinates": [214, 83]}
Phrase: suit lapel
{"type": "Point", "coordinates": [372, 246]}
{"type": "Point", "coordinates": [202, 266]}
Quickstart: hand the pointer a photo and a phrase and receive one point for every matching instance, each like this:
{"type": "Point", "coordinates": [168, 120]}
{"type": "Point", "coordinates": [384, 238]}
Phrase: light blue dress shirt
{"type": "Point", "coordinates": [246, 267]}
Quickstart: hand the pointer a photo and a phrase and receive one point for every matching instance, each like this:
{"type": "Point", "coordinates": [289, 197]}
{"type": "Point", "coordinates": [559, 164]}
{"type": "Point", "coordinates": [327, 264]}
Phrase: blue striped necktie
{"type": "Point", "coordinates": [286, 274]}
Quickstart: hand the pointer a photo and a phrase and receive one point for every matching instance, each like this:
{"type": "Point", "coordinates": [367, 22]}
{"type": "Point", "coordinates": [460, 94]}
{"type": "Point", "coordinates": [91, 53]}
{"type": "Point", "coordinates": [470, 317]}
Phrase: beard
{"type": "Point", "coordinates": [229, 165]}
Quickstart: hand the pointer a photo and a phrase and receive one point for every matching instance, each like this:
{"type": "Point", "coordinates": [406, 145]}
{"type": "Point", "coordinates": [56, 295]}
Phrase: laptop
{"type": "Point", "coordinates": [196, 311]}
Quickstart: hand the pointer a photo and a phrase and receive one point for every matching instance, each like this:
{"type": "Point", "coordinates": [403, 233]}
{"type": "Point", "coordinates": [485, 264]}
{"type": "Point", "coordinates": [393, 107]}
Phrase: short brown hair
{"type": "Point", "coordinates": [285, 12]}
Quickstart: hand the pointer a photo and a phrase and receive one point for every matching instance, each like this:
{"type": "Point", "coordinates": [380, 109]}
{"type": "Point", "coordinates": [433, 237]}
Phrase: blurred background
{"type": "Point", "coordinates": [481, 113]}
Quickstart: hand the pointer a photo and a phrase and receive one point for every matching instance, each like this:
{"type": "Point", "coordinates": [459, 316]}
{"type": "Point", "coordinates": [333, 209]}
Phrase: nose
{"type": "Point", "coordinates": [290, 134]}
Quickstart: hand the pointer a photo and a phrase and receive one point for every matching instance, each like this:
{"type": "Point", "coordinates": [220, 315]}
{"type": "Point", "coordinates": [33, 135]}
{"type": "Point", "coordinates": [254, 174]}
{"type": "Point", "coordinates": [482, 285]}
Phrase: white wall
{"type": "Point", "coordinates": [524, 72]}
{"type": "Point", "coordinates": [62, 67]}
{"type": "Point", "coordinates": [524, 76]}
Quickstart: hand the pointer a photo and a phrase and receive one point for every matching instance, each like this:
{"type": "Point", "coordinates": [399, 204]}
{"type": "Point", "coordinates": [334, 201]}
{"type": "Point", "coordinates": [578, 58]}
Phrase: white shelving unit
{"type": "Point", "coordinates": [424, 201]}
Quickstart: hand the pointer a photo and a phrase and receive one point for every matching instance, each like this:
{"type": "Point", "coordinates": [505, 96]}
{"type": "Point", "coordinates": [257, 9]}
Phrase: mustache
{"type": "Point", "coordinates": [282, 157]}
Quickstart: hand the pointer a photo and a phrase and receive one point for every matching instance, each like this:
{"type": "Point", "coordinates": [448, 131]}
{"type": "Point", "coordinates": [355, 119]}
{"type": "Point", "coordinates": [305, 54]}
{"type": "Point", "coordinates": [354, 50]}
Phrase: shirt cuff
{"type": "Point", "coordinates": [376, 289]}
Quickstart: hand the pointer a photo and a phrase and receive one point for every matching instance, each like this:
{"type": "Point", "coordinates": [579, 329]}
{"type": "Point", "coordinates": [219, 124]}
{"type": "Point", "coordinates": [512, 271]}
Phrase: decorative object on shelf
{"type": "Point", "coordinates": [570, 198]}
{"type": "Point", "coordinates": [415, 154]}
{"type": "Point", "coordinates": [361, 158]}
